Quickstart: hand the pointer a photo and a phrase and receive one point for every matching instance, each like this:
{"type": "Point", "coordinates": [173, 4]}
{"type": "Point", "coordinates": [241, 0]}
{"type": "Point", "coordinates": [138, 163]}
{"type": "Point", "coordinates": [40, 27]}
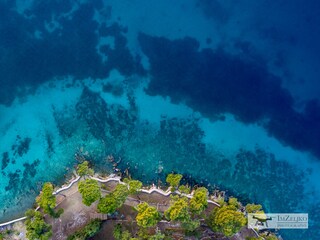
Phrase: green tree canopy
{"type": "Point", "coordinates": [173, 179]}
{"type": "Point", "coordinates": [83, 169]}
{"type": "Point", "coordinates": [121, 193]}
{"type": "Point", "coordinates": [252, 208]}
{"type": "Point", "coordinates": [147, 216]}
{"type": "Point", "coordinates": [184, 189]}
{"type": "Point", "coordinates": [157, 236]}
{"type": "Point", "coordinates": [37, 228]}
{"type": "Point", "coordinates": [90, 191]}
{"type": "Point", "coordinates": [226, 219]}
{"type": "Point", "coordinates": [199, 201]}
{"type": "Point", "coordinates": [91, 229]}
{"type": "Point", "coordinates": [108, 204]}
{"type": "Point", "coordinates": [111, 202]}
{"type": "Point", "coordinates": [191, 225]}
{"type": "Point", "coordinates": [119, 234]}
{"type": "Point", "coordinates": [234, 202]}
{"type": "Point", "coordinates": [46, 200]}
{"type": "Point", "coordinates": [133, 185]}
{"type": "Point", "coordinates": [178, 210]}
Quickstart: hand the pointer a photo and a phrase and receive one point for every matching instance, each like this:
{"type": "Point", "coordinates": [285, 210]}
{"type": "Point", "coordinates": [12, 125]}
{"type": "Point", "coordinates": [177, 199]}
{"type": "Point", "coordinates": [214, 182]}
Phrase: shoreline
{"type": "Point", "coordinates": [111, 177]}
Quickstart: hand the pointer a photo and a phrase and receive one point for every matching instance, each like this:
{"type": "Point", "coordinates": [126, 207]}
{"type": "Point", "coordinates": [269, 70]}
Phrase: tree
{"type": "Point", "coordinates": [121, 193]}
{"type": "Point", "coordinates": [199, 201]}
{"type": "Point", "coordinates": [108, 204]}
{"type": "Point", "coordinates": [90, 191]}
{"type": "Point", "coordinates": [126, 235]}
{"type": "Point", "coordinates": [173, 180]}
{"type": "Point", "coordinates": [147, 216]}
{"type": "Point", "coordinates": [190, 225]}
{"type": "Point", "coordinates": [234, 202]}
{"type": "Point", "coordinates": [83, 169]}
{"type": "Point", "coordinates": [117, 232]}
{"type": "Point", "coordinates": [252, 208]}
{"type": "Point", "coordinates": [184, 189]}
{"type": "Point", "coordinates": [37, 228]}
{"type": "Point", "coordinates": [133, 185]}
{"type": "Point", "coordinates": [178, 210]}
{"type": "Point", "coordinates": [46, 200]}
{"type": "Point", "coordinates": [91, 229]}
{"type": "Point", "coordinates": [157, 236]}
{"type": "Point", "coordinates": [226, 219]}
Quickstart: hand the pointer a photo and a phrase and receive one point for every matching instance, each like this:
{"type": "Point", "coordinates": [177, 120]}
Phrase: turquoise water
{"type": "Point", "coordinates": [208, 89]}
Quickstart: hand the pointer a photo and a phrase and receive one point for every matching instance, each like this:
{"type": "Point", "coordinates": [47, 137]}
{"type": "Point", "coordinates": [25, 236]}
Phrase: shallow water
{"type": "Point", "coordinates": [209, 89]}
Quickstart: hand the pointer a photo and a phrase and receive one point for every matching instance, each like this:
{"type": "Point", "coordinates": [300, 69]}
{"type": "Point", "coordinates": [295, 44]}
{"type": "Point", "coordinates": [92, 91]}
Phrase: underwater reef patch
{"type": "Point", "coordinates": [5, 160]}
{"type": "Point", "coordinates": [214, 82]}
{"type": "Point", "coordinates": [52, 39]}
{"type": "Point", "coordinates": [21, 146]}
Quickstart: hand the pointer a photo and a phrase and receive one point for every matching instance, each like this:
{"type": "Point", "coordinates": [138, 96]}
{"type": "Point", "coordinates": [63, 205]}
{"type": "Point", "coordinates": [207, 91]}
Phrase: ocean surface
{"type": "Point", "coordinates": [224, 92]}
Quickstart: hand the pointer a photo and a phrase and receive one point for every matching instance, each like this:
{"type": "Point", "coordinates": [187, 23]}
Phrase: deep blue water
{"type": "Point", "coordinates": [224, 92]}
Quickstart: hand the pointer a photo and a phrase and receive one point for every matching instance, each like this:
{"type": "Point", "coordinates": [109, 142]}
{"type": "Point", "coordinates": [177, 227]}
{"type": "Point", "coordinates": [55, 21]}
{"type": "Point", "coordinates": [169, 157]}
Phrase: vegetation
{"type": "Point", "coordinates": [199, 201]}
{"type": "Point", "coordinates": [84, 170]}
{"type": "Point", "coordinates": [234, 202]}
{"type": "Point", "coordinates": [184, 189]}
{"type": "Point", "coordinates": [117, 232]}
{"type": "Point", "coordinates": [88, 231]}
{"type": "Point", "coordinates": [90, 191]}
{"type": "Point", "coordinates": [46, 200]}
{"type": "Point", "coordinates": [181, 209]}
{"type": "Point", "coordinates": [111, 202]}
{"type": "Point", "coordinates": [173, 180]}
{"type": "Point", "coordinates": [190, 225]}
{"type": "Point", "coordinates": [227, 220]}
{"type": "Point", "coordinates": [147, 216]}
{"type": "Point", "coordinates": [107, 204]}
{"type": "Point", "coordinates": [120, 234]}
{"type": "Point", "coordinates": [126, 235]}
{"type": "Point", "coordinates": [252, 208]}
{"type": "Point", "coordinates": [37, 228]}
{"type": "Point", "coordinates": [178, 210]}
{"type": "Point", "coordinates": [157, 236]}
{"type": "Point", "coordinates": [220, 201]}
{"type": "Point", "coordinates": [121, 193]}
{"type": "Point", "coordinates": [133, 185]}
